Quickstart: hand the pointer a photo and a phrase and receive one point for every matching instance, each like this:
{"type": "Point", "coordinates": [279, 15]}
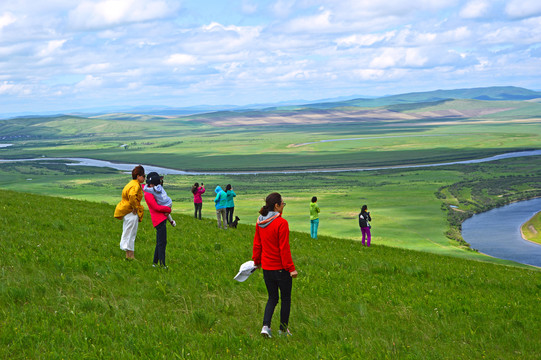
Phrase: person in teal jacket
{"type": "Point", "coordinates": [314, 218]}
{"type": "Point", "coordinates": [220, 204]}
{"type": "Point", "coordinates": [230, 203]}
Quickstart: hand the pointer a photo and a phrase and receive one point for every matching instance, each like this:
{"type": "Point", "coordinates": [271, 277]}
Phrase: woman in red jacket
{"type": "Point", "coordinates": [158, 215]}
{"type": "Point", "coordinates": [271, 253]}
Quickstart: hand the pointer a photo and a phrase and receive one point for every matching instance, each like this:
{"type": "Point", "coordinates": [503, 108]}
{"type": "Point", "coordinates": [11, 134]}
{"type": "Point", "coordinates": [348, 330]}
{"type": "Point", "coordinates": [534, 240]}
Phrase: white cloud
{"type": "Point", "coordinates": [216, 40]}
{"type": "Point", "coordinates": [365, 39]}
{"type": "Point", "coordinates": [181, 59]}
{"type": "Point", "coordinates": [314, 23]}
{"type": "Point", "coordinates": [106, 13]}
{"type": "Point", "coordinates": [51, 47]}
{"type": "Point", "coordinates": [9, 88]}
{"type": "Point", "coordinates": [6, 19]}
{"type": "Point", "coordinates": [89, 82]}
{"type": "Point", "coordinates": [369, 74]}
{"type": "Point", "coordinates": [523, 8]}
{"type": "Point", "coordinates": [475, 9]}
{"type": "Point", "coordinates": [258, 49]}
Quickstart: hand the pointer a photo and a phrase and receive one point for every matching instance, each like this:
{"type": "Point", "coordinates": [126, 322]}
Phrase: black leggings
{"type": "Point", "coordinates": [198, 207]}
{"type": "Point", "coordinates": [229, 215]}
{"type": "Point", "coordinates": [278, 280]}
{"type": "Point", "coordinates": [161, 243]}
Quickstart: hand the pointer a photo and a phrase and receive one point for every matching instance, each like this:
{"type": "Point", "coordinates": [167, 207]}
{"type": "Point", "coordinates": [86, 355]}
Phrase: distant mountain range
{"type": "Point", "coordinates": [495, 93]}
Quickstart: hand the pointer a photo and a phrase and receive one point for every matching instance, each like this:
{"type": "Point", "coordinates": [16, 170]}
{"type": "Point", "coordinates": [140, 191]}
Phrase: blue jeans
{"type": "Point", "coordinates": [313, 228]}
{"type": "Point", "coordinates": [278, 280]}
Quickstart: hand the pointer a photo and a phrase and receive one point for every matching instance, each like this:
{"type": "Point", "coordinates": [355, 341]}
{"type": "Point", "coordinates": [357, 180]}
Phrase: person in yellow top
{"type": "Point", "coordinates": [314, 217]}
{"type": "Point", "coordinates": [130, 210]}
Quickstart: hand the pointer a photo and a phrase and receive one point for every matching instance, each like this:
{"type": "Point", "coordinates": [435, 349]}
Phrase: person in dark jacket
{"type": "Point", "coordinates": [271, 252]}
{"type": "Point", "coordinates": [364, 218]}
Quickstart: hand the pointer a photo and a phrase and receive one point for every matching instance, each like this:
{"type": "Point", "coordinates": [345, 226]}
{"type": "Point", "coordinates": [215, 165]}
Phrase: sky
{"type": "Point", "coordinates": [67, 54]}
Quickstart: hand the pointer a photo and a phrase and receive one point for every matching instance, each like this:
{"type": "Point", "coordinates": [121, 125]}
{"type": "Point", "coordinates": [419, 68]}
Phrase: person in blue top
{"type": "Point", "coordinates": [230, 203]}
{"type": "Point", "coordinates": [220, 203]}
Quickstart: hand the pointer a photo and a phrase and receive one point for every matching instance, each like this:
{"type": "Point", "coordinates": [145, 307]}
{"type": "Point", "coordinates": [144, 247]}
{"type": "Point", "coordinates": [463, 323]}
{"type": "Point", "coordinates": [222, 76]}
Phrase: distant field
{"type": "Point", "coordinates": [410, 206]}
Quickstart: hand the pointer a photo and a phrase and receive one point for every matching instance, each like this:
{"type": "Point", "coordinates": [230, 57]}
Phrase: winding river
{"type": "Point", "coordinates": [168, 171]}
{"type": "Point", "coordinates": [497, 232]}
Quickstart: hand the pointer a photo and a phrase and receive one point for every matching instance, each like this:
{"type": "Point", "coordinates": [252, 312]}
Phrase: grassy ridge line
{"type": "Point", "coordinates": [66, 292]}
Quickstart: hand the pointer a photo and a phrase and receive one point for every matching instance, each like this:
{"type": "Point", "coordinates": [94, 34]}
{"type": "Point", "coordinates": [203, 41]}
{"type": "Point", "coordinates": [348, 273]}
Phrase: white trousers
{"type": "Point", "coordinates": [129, 230]}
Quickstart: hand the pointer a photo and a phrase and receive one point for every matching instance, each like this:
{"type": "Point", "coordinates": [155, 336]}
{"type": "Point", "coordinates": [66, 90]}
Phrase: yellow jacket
{"type": "Point", "coordinates": [132, 194]}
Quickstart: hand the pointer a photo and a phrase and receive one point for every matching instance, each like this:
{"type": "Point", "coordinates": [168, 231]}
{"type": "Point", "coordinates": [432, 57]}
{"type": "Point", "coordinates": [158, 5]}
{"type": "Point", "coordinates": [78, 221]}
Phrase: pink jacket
{"type": "Point", "coordinates": [197, 196]}
{"type": "Point", "coordinates": [157, 212]}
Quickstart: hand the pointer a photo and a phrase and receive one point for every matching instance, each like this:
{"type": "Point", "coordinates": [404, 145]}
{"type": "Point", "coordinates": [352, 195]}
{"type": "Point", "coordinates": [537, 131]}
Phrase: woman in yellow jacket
{"type": "Point", "coordinates": [131, 211]}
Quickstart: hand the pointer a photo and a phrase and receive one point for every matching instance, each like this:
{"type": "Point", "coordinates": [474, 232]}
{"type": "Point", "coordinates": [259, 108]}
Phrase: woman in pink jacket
{"type": "Point", "coordinates": [197, 199]}
{"type": "Point", "coordinates": [158, 215]}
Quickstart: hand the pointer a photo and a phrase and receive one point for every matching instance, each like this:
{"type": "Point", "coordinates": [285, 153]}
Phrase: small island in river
{"type": "Point", "coordinates": [531, 229]}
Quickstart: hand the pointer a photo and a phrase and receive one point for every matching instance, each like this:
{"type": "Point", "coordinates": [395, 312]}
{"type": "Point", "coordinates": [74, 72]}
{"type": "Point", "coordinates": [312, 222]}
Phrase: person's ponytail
{"type": "Point", "coordinates": [271, 200]}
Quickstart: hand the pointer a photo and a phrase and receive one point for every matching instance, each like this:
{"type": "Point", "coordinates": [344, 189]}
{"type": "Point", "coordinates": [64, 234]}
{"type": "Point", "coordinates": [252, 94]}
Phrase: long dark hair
{"type": "Point", "coordinates": [270, 201]}
{"type": "Point", "coordinates": [364, 208]}
{"type": "Point", "coordinates": [137, 171]}
{"type": "Point", "coordinates": [195, 187]}
{"type": "Point", "coordinates": [228, 187]}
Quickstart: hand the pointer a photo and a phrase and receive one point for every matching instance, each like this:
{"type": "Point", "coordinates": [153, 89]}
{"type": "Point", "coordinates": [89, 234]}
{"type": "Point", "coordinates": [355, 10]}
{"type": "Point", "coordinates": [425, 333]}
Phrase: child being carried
{"type": "Point", "coordinates": [161, 198]}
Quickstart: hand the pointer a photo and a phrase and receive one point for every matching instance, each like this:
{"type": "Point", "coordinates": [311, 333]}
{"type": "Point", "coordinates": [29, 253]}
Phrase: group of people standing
{"type": "Point", "coordinates": [271, 251]}
{"type": "Point", "coordinates": [225, 205]}
{"type": "Point", "coordinates": [130, 210]}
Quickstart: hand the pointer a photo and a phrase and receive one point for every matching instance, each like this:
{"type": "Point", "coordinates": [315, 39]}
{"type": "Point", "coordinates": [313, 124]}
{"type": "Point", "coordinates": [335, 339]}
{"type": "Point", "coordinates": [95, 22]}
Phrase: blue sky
{"type": "Point", "coordinates": [67, 54]}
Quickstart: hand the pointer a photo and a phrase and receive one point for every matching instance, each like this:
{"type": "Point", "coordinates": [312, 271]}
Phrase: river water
{"type": "Point", "coordinates": [497, 232]}
{"type": "Point", "coordinates": [168, 171]}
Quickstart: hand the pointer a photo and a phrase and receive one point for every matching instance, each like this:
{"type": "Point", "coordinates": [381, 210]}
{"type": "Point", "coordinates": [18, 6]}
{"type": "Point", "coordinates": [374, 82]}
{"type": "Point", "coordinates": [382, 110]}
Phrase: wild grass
{"type": "Point", "coordinates": [531, 229]}
{"type": "Point", "coordinates": [411, 208]}
{"type": "Point", "coordinates": [67, 292]}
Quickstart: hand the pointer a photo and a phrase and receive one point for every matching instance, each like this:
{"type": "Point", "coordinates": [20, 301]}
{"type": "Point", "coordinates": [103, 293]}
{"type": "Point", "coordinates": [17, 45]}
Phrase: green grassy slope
{"type": "Point", "coordinates": [66, 292]}
{"type": "Point", "coordinates": [531, 229]}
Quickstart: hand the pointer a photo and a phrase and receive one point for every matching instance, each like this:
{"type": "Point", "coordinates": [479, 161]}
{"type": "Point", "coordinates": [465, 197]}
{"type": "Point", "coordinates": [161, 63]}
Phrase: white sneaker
{"type": "Point", "coordinates": [266, 332]}
{"type": "Point", "coordinates": [285, 333]}
{"type": "Point", "coordinates": [173, 223]}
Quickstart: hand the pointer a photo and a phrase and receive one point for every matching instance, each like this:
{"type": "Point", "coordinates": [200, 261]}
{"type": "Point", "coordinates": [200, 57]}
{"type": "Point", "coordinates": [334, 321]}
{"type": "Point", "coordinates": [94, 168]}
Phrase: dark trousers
{"type": "Point", "coordinates": [278, 280]}
{"type": "Point", "coordinates": [229, 215]}
{"type": "Point", "coordinates": [161, 243]}
{"type": "Point", "coordinates": [198, 207]}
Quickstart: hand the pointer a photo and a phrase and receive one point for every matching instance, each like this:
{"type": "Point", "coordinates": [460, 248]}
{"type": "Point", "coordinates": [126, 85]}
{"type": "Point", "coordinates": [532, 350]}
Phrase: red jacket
{"type": "Point", "coordinates": [157, 212]}
{"type": "Point", "coordinates": [271, 246]}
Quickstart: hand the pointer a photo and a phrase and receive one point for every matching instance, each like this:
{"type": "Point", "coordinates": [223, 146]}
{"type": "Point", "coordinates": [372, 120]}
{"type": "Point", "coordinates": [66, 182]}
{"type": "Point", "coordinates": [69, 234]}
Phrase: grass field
{"type": "Point", "coordinates": [67, 292]}
{"type": "Point", "coordinates": [411, 207]}
{"type": "Point", "coordinates": [531, 230]}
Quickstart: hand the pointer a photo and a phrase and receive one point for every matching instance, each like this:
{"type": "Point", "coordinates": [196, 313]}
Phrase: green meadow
{"type": "Point", "coordinates": [419, 292]}
{"type": "Point", "coordinates": [67, 292]}
{"type": "Point", "coordinates": [416, 208]}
